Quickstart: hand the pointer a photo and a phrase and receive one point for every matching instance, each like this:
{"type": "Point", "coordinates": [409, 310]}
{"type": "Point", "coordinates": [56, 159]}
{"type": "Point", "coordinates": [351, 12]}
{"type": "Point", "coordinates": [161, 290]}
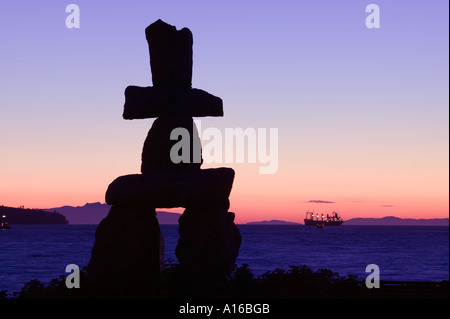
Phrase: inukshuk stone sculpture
{"type": "Point", "coordinates": [126, 253]}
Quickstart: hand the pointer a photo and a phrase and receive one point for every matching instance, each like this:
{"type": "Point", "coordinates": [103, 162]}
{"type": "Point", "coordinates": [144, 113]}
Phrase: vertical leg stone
{"type": "Point", "coordinates": [125, 259]}
{"type": "Point", "coordinates": [207, 249]}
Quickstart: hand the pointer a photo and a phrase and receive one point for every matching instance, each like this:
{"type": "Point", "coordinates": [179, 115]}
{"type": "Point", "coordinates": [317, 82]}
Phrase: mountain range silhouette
{"type": "Point", "coordinates": [93, 213]}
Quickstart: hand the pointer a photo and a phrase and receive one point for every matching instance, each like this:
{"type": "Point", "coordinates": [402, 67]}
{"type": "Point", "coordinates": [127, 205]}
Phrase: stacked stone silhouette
{"type": "Point", "coordinates": [126, 257]}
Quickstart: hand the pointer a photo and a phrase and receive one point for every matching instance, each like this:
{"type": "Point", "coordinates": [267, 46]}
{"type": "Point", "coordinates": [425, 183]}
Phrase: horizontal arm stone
{"type": "Point", "coordinates": [152, 102]}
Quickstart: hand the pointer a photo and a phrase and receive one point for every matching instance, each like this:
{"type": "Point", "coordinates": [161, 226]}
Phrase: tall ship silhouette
{"type": "Point", "coordinates": [319, 220]}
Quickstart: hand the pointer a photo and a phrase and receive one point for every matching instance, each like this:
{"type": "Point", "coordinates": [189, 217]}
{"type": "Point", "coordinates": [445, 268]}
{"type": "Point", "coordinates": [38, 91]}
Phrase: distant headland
{"type": "Point", "coordinates": [27, 216]}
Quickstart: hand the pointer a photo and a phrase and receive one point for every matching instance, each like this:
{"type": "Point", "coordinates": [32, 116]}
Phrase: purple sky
{"type": "Point", "coordinates": [362, 113]}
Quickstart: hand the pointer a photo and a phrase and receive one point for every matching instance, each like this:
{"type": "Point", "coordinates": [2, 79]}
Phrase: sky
{"type": "Point", "coordinates": [362, 113]}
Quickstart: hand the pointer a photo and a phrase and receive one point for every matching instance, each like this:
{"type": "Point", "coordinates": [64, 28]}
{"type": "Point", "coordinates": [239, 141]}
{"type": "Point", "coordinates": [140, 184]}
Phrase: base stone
{"type": "Point", "coordinates": [125, 260]}
{"type": "Point", "coordinates": [207, 249]}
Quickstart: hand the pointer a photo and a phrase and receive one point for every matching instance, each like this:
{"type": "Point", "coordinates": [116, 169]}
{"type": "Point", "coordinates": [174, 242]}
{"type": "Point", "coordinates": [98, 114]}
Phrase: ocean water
{"type": "Point", "coordinates": [402, 253]}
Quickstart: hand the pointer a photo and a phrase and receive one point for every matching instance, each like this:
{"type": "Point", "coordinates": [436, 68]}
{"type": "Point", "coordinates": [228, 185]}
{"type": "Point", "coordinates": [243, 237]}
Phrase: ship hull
{"type": "Point", "coordinates": [309, 222]}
